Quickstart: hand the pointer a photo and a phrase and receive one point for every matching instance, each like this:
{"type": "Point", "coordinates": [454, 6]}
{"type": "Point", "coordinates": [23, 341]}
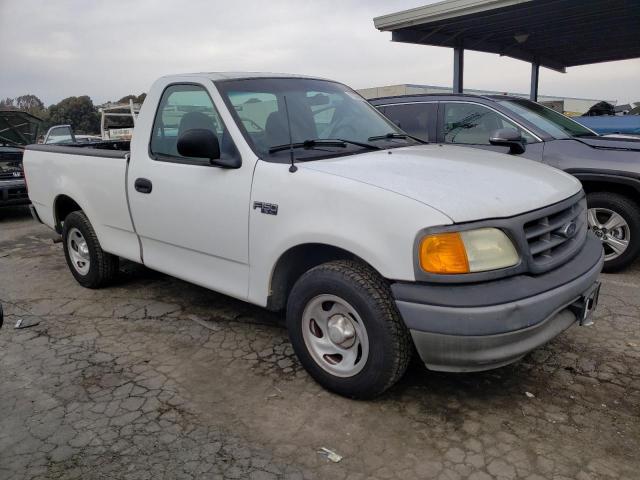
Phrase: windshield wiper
{"type": "Point", "coordinates": [322, 142]}
{"type": "Point", "coordinates": [308, 144]}
{"type": "Point", "coordinates": [392, 135]}
{"type": "Point", "coordinates": [359, 144]}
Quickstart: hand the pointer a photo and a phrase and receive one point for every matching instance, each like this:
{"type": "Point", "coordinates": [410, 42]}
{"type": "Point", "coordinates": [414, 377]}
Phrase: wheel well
{"type": "Point", "coordinates": [629, 191]}
{"type": "Point", "coordinates": [63, 206]}
{"type": "Point", "coordinates": [295, 262]}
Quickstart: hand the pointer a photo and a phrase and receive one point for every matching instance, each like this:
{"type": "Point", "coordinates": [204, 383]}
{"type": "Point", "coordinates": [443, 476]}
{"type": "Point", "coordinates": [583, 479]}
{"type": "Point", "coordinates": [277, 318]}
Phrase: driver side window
{"type": "Point", "coordinates": [472, 124]}
{"type": "Point", "coordinates": [182, 108]}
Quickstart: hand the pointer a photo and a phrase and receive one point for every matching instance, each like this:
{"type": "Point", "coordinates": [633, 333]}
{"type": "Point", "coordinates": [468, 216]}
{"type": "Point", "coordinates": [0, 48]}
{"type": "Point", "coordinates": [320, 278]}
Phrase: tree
{"type": "Point", "coordinates": [26, 103]}
{"type": "Point", "coordinates": [136, 99]}
{"type": "Point", "coordinates": [7, 104]}
{"type": "Point", "coordinates": [79, 112]}
{"type": "Point", "coordinates": [30, 104]}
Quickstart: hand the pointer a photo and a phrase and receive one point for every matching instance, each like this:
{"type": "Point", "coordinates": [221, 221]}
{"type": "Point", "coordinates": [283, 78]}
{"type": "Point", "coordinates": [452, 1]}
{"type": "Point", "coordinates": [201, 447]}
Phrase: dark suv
{"type": "Point", "coordinates": [17, 129]}
{"type": "Point", "coordinates": [608, 167]}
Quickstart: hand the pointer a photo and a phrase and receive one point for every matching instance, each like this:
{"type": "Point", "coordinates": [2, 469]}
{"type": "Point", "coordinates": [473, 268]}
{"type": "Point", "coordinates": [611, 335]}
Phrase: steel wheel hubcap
{"type": "Point", "coordinates": [335, 336]}
{"type": "Point", "coordinates": [78, 251]}
{"type": "Point", "coordinates": [612, 229]}
{"type": "Point", "coordinates": [341, 331]}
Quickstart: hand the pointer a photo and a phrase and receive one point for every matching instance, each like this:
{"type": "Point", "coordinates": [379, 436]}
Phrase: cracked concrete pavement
{"type": "Point", "coordinates": [155, 378]}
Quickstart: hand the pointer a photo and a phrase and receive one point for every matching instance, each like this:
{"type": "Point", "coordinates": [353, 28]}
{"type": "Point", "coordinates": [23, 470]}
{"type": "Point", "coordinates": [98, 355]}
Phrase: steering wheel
{"type": "Point", "coordinates": [252, 123]}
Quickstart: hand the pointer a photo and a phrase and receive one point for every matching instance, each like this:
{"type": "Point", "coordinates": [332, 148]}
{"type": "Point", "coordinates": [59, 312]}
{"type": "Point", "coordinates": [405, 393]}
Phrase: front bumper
{"type": "Point", "coordinates": [472, 327]}
{"type": "Point", "coordinates": [13, 192]}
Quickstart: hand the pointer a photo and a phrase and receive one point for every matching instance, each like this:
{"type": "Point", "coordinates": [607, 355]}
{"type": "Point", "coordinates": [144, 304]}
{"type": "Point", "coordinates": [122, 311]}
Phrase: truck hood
{"type": "Point", "coordinates": [18, 128]}
{"type": "Point", "coordinates": [465, 184]}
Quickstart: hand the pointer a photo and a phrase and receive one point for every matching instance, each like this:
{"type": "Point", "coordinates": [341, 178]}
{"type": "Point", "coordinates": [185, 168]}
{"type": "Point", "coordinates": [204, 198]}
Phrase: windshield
{"type": "Point", "coordinates": [318, 110]}
{"type": "Point", "coordinates": [547, 120]}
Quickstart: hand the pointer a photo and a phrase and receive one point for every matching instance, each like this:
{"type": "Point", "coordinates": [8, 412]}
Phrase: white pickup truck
{"type": "Point", "coordinates": [294, 194]}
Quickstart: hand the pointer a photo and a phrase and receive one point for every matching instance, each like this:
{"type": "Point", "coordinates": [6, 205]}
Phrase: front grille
{"type": "Point", "coordinates": [10, 175]}
{"type": "Point", "coordinates": [11, 156]}
{"type": "Point", "coordinates": [10, 163]}
{"type": "Point", "coordinates": [556, 235]}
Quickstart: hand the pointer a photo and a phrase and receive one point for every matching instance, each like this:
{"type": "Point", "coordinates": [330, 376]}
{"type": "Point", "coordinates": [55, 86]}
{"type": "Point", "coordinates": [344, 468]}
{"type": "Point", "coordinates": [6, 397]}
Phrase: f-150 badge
{"type": "Point", "coordinates": [268, 208]}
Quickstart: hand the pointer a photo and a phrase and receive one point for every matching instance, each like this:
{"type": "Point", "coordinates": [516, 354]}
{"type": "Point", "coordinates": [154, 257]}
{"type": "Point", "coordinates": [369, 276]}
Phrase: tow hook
{"type": "Point", "coordinates": [585, 305]}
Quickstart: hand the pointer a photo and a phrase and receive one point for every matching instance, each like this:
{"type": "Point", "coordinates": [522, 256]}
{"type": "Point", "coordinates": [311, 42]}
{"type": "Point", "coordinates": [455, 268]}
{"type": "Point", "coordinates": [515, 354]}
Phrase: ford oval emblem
{"type": "Point", "coordinates": [568, 230]}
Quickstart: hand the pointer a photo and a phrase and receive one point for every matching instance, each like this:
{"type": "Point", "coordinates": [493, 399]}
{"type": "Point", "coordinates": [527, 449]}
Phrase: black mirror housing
{"type": "Point", "coordinates": [199, 143]}
{"type": "Point", "coordinates": [508, 137]}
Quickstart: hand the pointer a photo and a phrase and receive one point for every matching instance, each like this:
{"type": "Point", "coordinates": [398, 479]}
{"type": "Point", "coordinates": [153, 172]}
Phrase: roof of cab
{"type": "Point", "coordinates": [215, 76]}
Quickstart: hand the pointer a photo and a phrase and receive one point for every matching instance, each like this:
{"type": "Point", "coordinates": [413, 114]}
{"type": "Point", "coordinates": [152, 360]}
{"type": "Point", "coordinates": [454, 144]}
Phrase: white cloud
{"type": "Point", "coordinates": [113, 48]}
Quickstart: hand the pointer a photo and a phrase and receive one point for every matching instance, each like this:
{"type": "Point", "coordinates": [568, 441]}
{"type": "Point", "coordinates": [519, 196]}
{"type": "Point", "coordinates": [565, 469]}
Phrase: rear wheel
{"type": "Point", "coordinates": [346, 330]}
{"type": "Point", "coordinates": [615, 220]}
{"type": "Point", "coordinates": [91, 266]}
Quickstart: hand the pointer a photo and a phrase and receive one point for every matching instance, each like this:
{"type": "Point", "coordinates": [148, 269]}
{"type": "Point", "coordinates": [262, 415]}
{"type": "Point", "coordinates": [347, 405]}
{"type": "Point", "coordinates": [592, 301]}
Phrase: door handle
{"type": "Point", "coordinates": [143, 185]}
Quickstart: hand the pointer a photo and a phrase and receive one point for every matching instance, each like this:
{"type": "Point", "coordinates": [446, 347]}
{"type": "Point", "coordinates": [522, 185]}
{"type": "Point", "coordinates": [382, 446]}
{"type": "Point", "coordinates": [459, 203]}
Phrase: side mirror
{"type": "Point", "coordinates": [508, 137]}
{"type": "Point", "coordinates": [199, 143]}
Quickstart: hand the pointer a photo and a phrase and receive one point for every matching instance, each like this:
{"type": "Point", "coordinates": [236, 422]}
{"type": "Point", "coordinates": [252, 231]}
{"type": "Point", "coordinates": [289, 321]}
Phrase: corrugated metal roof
{"type": "Point", "coordinates": [555, 33]}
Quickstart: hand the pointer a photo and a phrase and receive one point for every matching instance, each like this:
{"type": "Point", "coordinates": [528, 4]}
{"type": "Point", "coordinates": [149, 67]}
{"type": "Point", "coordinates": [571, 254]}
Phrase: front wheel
{"type": "Point", "coordinates": [615, 220]}
{"type": "Point", "coordinates": [346, 329]}
{"type": "Point", "coordinates": [91, 266]}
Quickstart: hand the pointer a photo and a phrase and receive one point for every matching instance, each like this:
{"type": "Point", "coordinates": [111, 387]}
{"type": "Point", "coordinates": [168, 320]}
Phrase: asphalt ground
{"type": "Point", "coordinates": [154, 378]}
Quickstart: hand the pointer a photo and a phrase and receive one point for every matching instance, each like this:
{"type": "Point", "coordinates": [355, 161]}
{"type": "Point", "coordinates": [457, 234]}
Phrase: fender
{"type": "Point", "coordinates": [609, 176]}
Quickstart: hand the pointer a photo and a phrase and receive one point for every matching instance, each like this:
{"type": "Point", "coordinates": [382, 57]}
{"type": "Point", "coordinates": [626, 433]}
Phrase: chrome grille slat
{"type": "Point", "coordinates": [9, 176]}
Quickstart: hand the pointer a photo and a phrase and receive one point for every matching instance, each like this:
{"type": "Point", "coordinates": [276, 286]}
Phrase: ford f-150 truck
{"type": "Point", "coordinates": [293, 193]}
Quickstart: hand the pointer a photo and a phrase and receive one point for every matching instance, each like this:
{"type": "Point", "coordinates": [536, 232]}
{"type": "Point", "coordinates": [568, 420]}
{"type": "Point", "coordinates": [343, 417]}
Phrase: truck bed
{"type": "Point", "coordinates": [95, 149]}
{"type": "Point", "coordinates": [96, 179]}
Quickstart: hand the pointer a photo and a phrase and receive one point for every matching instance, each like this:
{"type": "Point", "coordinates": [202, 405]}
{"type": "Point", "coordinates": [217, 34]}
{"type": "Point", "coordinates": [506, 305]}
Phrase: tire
{"type": "Point", "coordinates": [327, 291]}
{"type": "Point", "coordinates": [601, 203]}
{"type": "Point", "coordinates": [97, 268]}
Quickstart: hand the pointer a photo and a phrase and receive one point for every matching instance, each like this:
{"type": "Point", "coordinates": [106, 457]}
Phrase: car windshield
{"type": "Point", "coordinates": [318, 111]}
{"type": "Point", "coordinates": [547, 120]}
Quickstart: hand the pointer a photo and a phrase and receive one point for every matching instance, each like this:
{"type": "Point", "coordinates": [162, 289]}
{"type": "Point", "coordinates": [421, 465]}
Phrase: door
{"type": "Point", "coordinates": [417, 119]}
{"type": "Point", "coordinates": [471, 124]}
{"type": "Point", "coordinates": [191, 217]}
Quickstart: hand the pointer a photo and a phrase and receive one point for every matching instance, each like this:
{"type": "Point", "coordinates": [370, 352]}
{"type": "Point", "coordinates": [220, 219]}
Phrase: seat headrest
{"type": "Point", "coordinates": [193, 120]}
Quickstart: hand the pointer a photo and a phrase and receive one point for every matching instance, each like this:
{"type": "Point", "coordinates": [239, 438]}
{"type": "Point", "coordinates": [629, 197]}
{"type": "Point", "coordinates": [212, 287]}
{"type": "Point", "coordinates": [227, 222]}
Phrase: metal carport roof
{"type": "Point", "coordinates": [552, 33]}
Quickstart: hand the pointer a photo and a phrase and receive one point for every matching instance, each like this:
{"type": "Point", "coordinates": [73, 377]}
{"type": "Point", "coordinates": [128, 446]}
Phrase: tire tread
{"type": "Point", "coordinates": [378, 290]}
{"type": "Point", "coordinates": [107, 264]}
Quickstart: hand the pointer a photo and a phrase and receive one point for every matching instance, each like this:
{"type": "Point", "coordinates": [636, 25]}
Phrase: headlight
{"type": "Point", "coordinates": [467, 252]}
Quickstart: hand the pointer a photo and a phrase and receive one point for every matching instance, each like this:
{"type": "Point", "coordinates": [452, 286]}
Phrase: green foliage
{"type": "Point", "coordinates": [136, 99]}
{"type": "Point", "coordinates": [79, 112]}
{"type": "Point", "coordinates": [26, 103]}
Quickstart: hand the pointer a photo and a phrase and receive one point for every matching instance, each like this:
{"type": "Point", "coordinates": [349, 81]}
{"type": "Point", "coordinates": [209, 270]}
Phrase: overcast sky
{"type": "Point", "coordinates": [108, 49]}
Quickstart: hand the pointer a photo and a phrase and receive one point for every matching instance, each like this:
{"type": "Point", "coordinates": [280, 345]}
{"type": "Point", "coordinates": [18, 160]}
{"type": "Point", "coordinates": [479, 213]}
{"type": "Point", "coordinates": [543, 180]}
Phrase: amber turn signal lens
{"type": "Point", "coordinates": [443, 253]}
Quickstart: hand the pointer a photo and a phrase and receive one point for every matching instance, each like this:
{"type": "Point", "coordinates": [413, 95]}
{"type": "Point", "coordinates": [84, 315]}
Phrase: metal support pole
{"type": "Point", "coordinates": [535, 70]}
{"type": "Point", "coordinates": [458, 69]}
